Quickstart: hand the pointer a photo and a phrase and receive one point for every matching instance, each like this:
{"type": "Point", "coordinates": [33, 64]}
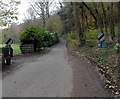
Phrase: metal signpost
{"type": "Point", "coordinates": [102, 43]}
{"type": "Point", "coordinates": [7, 52]}
{"type": "Point", "coordinates": [101, 39]}
{"type": "Point", "coordinates": [9, 41]}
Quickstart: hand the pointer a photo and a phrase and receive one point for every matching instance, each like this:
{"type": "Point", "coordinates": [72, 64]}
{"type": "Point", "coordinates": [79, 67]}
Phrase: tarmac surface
{"type": "Point", "coordinates": [52, 74]}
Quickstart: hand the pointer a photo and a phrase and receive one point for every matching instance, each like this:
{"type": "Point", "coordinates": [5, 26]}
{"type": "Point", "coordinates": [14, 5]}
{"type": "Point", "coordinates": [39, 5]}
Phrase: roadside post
{"type": "Point", "coordinates": [102, 44]}
{"type": "Point", "coordinates": [7, 52]}
{"type": "Point", "coordinates": [101, 41]}
{"type": "Point", "coordinates": [9, 41]}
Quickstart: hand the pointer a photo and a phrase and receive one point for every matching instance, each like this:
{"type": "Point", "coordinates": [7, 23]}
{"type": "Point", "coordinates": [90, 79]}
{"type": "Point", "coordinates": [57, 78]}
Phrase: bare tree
{"type": "Point", "coordinates": [30, 14]}
{"type": "Point", "coordinates": [8, 11]}
{"type": "Point", "coordinates": [42, 10]}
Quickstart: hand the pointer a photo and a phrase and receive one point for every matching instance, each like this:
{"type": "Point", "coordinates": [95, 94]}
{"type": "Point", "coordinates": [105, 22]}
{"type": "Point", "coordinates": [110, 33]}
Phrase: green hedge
{"type": "Point", "coordinates": [39, 37]}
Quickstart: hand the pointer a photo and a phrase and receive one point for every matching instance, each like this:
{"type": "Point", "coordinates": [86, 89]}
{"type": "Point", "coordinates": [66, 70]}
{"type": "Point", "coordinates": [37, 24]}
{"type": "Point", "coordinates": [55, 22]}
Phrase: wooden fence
{"type": "Point", "coordinates": [27, 48]}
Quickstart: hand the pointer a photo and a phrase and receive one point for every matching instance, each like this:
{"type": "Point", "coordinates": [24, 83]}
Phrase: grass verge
{"type": "Point", "coordinates": [16, 48]}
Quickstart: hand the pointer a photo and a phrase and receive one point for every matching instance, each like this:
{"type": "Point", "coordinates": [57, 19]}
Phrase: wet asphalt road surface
{"type": "Point", "coordinates": [53, 75]}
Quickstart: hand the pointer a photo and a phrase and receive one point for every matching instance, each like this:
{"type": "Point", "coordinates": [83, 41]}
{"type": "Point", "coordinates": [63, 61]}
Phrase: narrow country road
{"type": "Point", "coordinates": [53, 75]}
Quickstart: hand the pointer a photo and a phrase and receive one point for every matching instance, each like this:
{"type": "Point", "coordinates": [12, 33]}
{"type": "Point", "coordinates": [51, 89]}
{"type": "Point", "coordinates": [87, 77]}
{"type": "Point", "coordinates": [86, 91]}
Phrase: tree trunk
{"type": "Point", "coordinates": [86, 19]}
{"type": "Point", "coordinates": [104, 18]}
{"type": "Point", "coordinates": [78, 24]}
{"type": "Point", "coordinates": [112, 27]}
{"type": "Point", "coordinates": [118, 21]}
{"type": "Point", "coordinates": [99, 18]}
{"type": "Point", "coordinates": [47, 10]}
{"type": "Point", "coordinates": [44, 23]}
{"type": "Point", "coordinates": [43, 18]}
{"type": "Point", "coordinates": [83, 19]}
{"type": "Point", "coordinates": [118, 61]}
{"type": "Point", "coordinates": [94, 17]}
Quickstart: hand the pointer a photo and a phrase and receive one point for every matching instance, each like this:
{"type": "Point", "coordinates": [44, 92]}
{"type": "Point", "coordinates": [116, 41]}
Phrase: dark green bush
{"type": "Point", "coordinates": [39, 37]}
{"type": "Point", "coordinates": [47, 40]}
{"type": "Point", "coordinates": [32, 35]}
{"type": "Point", "coordinates": [55, 37]}
{"type": "Point", "coordinates": [50, 39]}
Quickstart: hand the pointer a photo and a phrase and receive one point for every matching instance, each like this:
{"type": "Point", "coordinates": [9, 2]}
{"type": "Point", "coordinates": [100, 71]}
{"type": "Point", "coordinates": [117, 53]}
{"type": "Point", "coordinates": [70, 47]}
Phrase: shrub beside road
{"type": "Point", "coordinates": [38, 37]}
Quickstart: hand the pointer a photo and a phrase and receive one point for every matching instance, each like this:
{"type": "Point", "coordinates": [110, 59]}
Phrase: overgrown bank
{"type": "Point", "coordinates": [83, 22]}
{"type": "Point", "coordinates": [106, 59]}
